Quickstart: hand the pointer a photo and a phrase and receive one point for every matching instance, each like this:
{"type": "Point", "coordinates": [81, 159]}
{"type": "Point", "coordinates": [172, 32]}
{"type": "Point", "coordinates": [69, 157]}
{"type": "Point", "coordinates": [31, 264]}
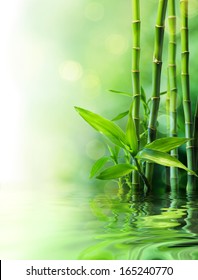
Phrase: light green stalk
{"type": "Point", "coordinates": [172, 86]}
{"type": "Point", "coordinates": [195, 134]}
{"type": "Point", "coordinates": [136, 76]}
{"type": "Point", "coordinates": [157, 66]}
{"type": "Point", "coordinates": [186, 91]}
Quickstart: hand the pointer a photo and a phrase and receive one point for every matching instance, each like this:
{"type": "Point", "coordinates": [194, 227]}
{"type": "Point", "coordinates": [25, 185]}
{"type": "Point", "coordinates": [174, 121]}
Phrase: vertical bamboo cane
{"type": "Point", "coordinates": [157, 66]}
{"type": "Point", "coordinates": [186, 91]}
{"type": "Point", "coordinates": [136, 76]}
{"type": "Point", "coordinates": [195, 134]}
{"type": "Point", "coordinates": [173, 86]}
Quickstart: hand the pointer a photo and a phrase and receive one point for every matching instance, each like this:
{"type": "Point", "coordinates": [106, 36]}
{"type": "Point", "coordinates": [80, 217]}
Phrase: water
{"type": "Point", "coordinates": [72, 222]}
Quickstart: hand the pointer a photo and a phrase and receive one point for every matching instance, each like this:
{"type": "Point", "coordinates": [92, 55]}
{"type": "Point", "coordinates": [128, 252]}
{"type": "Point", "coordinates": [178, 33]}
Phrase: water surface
{"type": "Point", "coordinates": [69, 222]}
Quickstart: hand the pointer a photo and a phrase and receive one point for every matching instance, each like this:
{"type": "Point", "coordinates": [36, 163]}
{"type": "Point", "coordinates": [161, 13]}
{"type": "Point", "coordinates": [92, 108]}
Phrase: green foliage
{"type": "Point", "coordinates": [155, 151]}
{"type": "Point", "coordinates": [121, 92]}
{"type": "Point", "coordinates": [116, 171]}
{"type": "Point", "coordinates": [120, 116]}
{"type": "Point", "coordinates": [98, 165]}
{"type": "Point", "coordinates": [139, 143]}
{"type": "Point", "coordinates": [162, 159]}
{"type": "Point", "coordinates": [104, 126]}
{"type": "Point", "coordinates": [166, 144]}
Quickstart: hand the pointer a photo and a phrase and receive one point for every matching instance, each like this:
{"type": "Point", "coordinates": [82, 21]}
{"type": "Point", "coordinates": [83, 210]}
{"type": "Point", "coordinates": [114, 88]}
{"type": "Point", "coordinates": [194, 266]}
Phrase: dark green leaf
{"type": "Point", "coordinates": [131, 136]}
{"type": "Point", "coordinates": [166, 144]}
{"type": "Point", "coordinates": [162, 159]}
{"type": "Point", "coordinates": [116, 171]}
{"type": "Point", "coordinates": [98, 165]}
{"type": "Point", "coordinates": [120, 116]}
{"type": "Point", "coordinates": [104, 126]}
{"type": "Point", "coordinates": [121, 92]}
{"type": "Point", "coordinates": [163, 92]}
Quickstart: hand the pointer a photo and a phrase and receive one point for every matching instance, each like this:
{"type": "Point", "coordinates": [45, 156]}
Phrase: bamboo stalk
{"type": "Point", "coordinates": [186, 91]}
{"type": "Point", "coordinates": [195, 134]}
{"type": "Point", "coordinates": [172, 86]}
{"type": "Point", "coordinates": [157, 66]}
{"type": "Point", "coordinates": [136, 25]}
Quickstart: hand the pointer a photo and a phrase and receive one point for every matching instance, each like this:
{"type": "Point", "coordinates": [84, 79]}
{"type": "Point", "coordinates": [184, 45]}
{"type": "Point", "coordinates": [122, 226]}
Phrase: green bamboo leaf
{"type": "Point", "coordinates": [104, 126]}
{"type": "Point", "coordinates": [114, 152]}
{"type": "Point", "coordinates": [121, 92]}
{"type": "Point", "coordinates": [143, 95]}
{"type": "Point", "coordinates": [98, 165]}
{"type": "Point", "coordinates": [163, 92]}
{"type": "Point", "coordinates": [120, 116]}
{"type": "Point", "coordinates": [166, 144]}
{"type": "Point", "coordinates": [131, 136]}
{"type": "Point", "coordinates": [116, 171]}
{"type": "Point", "coordinates": [162, 159]}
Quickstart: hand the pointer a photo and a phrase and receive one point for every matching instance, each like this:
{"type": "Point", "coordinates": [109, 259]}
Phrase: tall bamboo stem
{"type": "Point", "coordinates": [186, 91]}
{"type": "Point", "coordinates": [172, 86]}
{"type": "Point", "coordinates": [136, 24]}
{"type": "Point", "coordinates": [195, 134]}
{"type": "Point", "coordinates": [157, 66]}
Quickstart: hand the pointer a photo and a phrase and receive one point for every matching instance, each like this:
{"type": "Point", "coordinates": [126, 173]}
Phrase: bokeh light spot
{"type": "Point", "coordinates": [91, 81]}
{"type": "Point", "coordinates": [71, 71]}
{"type": "Point", "coordinates": [162, 121]}
{"type": "Point", "coordinates": [94, 11]}
{"type": "Point", "coordinates": [95, 149]}
{"type": "Point", "coordinates": [116, 44]}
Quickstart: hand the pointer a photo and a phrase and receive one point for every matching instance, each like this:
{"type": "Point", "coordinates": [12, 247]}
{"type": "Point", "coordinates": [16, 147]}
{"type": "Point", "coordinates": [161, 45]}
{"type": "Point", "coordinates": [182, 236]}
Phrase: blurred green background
{"type": "Point", "coordinates": [54, 55]}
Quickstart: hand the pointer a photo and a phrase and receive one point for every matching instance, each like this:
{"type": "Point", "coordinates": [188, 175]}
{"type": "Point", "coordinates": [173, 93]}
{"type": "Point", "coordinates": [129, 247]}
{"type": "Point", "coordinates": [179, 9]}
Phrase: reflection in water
{"type": "Point", "coordinates": [78, 222]}
{"type": "Point", "coordinates": [154, 227]}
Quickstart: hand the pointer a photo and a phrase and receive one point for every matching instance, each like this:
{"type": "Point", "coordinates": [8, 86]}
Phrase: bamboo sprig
{"type": "Point", "coordinates": [157, 66]}
{"type": "Point", "coordinates": [172, 81]}
{"type": "Point", "coordinates": [185, 78]}
{"type": "Point", "coordinates": [136, 25]}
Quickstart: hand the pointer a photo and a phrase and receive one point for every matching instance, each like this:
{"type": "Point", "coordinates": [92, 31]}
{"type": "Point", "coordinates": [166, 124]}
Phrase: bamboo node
{"type": "Point", "coordinates": [190, 147]}
{"type": "Point", "coordinates": [184, 74]}
{"type": "Point", "coordinates": [155, 60]}
{"type": "Point", "coordinates": [184, 28]}
{"type": "Point", "coordinates": [135, 71]}
{"type": "Point", "coordinates": [185, 52]}
{"type": "Point", "coordinates": [172, 17]}
{"type": "Point", "coordinates": [172, 65]}
{"type": "Point", "coordinates": [136, 95]}
{"type": "Point", "coordinates": [152, 128]}
{"type": "Point", "coordinates": [136, 21]}
{"type": "Point", "coordinates": [188, 123]}
{"type": "Point", "coordinates": [187, 100]}
{"type": "Point", "coordinates": [136, 48]}
{"type": "Point", "coordinates": [160, 26]}
{"type": "Point", "coordinates": [155, 97]}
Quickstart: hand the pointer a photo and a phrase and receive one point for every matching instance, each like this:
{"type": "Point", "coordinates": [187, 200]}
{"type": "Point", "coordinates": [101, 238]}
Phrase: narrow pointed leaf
{"type": "Point", "coordinates": [121, 92]}
{"type": "Point", "coordinates": [104, 126]}
{"type": "Point", "coordinates": [114, 152]}
{"type": "Point", "coordinates": [116, 171]}
{"type": "Point", "coordinates": [120, 116]}
{"type": "Point", "coordinates": [143, 95]}
{"type": "Point", "coordinates": [162, 159]}
{"type": "Point", "coordinates": [98, 165]}
{"type": "Point", "coordinates": [166, 144]}
{"type": "Point", "coordinates": [131, 136]}
{"type": "Point", "coordinates": [144, 102]}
